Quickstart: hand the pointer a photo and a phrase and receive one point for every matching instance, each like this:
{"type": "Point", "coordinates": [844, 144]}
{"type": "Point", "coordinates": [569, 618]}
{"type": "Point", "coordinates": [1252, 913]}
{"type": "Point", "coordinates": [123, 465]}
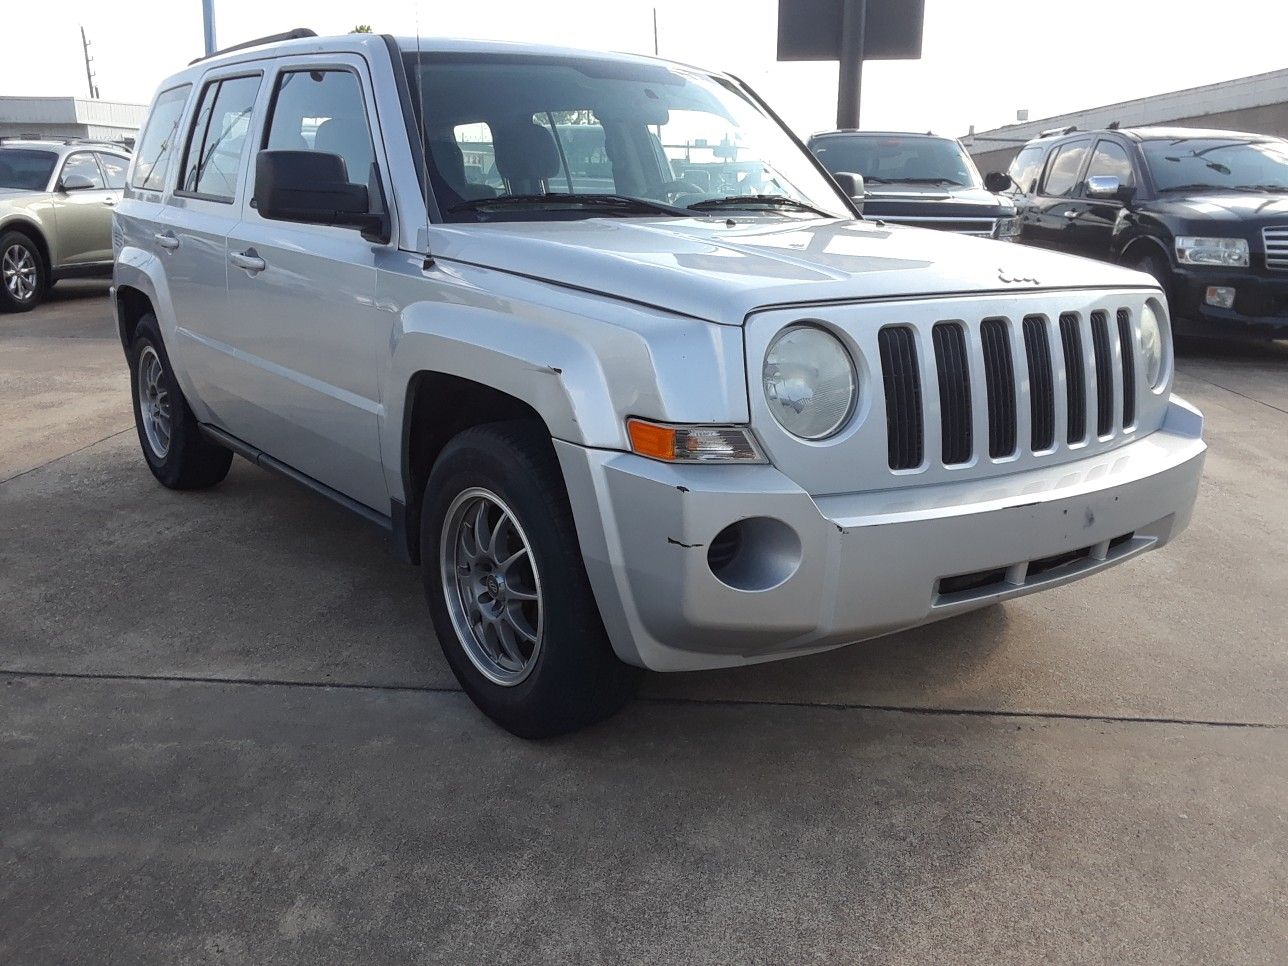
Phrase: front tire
{"type": "Point", "coordinates": [507, 589]}
{"type": "Point", "coordinates": [177, 452]}
{"type": "Point", "coordinates": [24, 276]}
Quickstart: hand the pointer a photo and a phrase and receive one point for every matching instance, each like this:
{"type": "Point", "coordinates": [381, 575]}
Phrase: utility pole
{"type": "Point", "coordinates": [854, 15]}
{"type": "Point", "coordinates": [208, 22]}
{"type": "Point", "coordinates": [89, 71]}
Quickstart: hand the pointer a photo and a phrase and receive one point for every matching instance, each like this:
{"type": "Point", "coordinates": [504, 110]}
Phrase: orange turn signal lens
{"type": "Point", "coordinates": [693, 444]}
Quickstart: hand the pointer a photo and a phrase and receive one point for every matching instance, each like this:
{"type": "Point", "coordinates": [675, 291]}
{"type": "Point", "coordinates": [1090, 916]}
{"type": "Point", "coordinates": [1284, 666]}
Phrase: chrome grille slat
{"type": "Point", "coordinates": [1276, 244]}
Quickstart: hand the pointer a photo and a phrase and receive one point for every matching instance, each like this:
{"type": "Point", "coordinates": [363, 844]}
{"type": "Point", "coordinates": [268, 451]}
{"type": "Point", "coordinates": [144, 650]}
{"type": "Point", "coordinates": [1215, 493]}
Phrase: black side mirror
{"type": "Point", "coordinates": [314, 189]}
{"type": "Point", "coordinates": [997, 182]}
{"type": "Point", "coordinates": [852, 185]}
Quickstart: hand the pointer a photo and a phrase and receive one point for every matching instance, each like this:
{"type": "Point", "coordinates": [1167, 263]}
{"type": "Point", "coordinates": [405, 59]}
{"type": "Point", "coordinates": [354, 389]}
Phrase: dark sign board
{"type": "Point", "coordinates": [811, 29]}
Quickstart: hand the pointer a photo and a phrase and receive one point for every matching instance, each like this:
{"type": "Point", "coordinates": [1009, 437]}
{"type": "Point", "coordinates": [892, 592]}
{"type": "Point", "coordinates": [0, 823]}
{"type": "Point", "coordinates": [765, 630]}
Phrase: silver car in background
{"type": "Point", "coordinates": [646, 394]}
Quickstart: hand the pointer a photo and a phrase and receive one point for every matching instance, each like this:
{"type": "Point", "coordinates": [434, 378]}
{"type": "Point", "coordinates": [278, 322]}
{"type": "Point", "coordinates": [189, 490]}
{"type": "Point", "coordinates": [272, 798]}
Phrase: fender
{"type": "Point", "coordinates": [583, 362]}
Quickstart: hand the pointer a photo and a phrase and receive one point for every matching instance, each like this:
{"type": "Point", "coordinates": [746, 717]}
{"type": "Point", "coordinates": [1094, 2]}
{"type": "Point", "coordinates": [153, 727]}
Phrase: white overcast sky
{"type": "Point", "coordinates": [982, 60]}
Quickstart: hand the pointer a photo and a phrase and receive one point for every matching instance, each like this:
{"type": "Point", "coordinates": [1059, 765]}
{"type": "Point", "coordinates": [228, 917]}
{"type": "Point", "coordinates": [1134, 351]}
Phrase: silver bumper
{"type": "Point", "coordinates": [869, 563]}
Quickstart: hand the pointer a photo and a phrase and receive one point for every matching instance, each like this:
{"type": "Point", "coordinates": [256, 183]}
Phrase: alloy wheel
{"type": "Point", "coordinates": [154, 402]}
{"type": "Point", "coordinates": [20, 274]}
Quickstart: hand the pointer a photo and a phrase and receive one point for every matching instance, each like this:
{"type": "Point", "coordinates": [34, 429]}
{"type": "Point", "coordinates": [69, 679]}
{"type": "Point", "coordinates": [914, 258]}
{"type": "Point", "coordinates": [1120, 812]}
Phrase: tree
{"type": "Point", "coordinates": [362, 28]}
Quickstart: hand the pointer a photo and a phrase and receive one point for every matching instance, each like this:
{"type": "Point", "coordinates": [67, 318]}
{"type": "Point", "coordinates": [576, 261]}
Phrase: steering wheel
{"type": "Point", "coordinates": [675, 189]}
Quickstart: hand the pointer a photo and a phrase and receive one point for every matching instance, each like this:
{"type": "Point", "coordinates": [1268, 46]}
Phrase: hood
{"type": "Point", "coordinates": [1233, 206]}
{"type": "Point", "coordinates": [934, 201]}
{"type": "Point", "coordinates": [723, 270]}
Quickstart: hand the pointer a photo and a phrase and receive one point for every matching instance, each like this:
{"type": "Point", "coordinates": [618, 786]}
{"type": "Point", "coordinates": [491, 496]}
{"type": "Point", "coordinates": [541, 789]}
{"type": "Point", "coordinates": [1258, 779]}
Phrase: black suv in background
{"type": "Point", "coordinates": [1204, 212]}
{"type": "Point", "coordinates": [919, 179]}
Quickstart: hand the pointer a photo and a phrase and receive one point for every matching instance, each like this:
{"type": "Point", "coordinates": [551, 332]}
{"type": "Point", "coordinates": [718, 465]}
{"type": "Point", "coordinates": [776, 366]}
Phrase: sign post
{"type": "Point", "coordinates": [850, 31]}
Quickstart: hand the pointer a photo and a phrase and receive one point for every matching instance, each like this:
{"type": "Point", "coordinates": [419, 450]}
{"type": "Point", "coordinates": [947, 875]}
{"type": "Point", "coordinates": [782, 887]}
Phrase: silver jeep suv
{"type": "Point", "coordinates": [614, 360]}
{"type": "Point", "coordinates": [56, 201]}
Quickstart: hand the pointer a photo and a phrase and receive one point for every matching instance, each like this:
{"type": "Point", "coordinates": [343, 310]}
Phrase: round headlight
{"type": "Point", "coordinates": [810, 381]}
{"type": "Point", "coordinates": [1151, 345]}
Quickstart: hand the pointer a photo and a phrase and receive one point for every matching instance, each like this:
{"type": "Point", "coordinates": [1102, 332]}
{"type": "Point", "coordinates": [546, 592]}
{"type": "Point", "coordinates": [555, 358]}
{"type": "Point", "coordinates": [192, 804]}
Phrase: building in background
{"type": "Point", "coordinates": [70, 117]}
{"type": "Point", "coordinates": [1258, 104]}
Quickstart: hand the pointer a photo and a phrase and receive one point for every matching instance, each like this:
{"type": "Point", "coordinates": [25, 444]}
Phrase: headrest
{"type": "Point", "coordinates": [526, 152]}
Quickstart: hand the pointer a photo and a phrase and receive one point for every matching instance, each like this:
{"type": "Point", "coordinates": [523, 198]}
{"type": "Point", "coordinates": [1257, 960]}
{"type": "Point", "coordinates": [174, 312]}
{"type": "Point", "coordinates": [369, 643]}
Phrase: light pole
{"type": "Point", "coordinates": [854, 15]}
{"type": "Point", "coordinates": [208, 22]}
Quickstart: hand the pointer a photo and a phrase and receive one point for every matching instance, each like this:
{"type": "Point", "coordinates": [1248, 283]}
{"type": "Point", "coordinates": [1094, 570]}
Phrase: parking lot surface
{"type": "Point", "coordinates": [227, 734]}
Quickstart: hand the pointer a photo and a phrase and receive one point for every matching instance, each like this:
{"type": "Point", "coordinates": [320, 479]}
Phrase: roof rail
{"type": "Point", "coordinates": [296, 34]}
{"type": "Point", "coordinates": [1055, 132]}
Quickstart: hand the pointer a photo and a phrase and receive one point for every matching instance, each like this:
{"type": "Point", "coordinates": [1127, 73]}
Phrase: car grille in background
{"type": "Point", "coordinates": [1129, 367]}
{"type": "Point", "coordinates": [983, 227]}
{"type": "Point", "coordinates": [1037, 347]}
{"type": "Point", "coordinates": [1276, 240]}
{"type": "Point", "coordinates": [904, 433]}
{"type": "Point", "coordinates": [999, 380]}
{"type": "Point", "coordinates": [978, 367]}
{"type": "Point", "coordinates": [954, 392]}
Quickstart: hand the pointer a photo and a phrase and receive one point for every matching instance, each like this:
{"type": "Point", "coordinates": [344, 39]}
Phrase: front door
{"type": "Point", "coordinates": [1049, 217]}
{"type": "Point", "coordinates": [302, 298]}
{"type": "Point", "coordinates": [1091, 231]}
{"type": "Point", "coordinates": [82, 213]}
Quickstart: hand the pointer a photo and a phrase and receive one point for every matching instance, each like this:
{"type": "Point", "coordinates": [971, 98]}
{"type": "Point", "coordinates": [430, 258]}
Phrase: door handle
{"type": "Point", "coordinates": [166, 240]}
{"type": "Point", "coordinates": [249, 260]}
{"type": "Point", "coordinates": [1071, 213]}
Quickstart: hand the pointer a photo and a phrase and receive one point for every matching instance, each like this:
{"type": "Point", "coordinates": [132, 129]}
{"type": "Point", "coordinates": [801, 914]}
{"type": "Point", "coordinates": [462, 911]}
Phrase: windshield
{"type": "Point", "coordinates": [1216, 163]}
{"type": "Point", "coordinates": [28, 170]}
{"type": "Point", "coordinates": [894, 158]}
{"type": "Point", "coordinates": [522, 137]}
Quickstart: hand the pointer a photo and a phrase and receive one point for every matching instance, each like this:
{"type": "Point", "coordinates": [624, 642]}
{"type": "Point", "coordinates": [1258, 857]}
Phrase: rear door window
{"type": "Point", "coordinates": [160, 139]}
{"type": "Point", "coordinates": [212, 162]}
{"type": "Point", "coordinates": [1064, 168]}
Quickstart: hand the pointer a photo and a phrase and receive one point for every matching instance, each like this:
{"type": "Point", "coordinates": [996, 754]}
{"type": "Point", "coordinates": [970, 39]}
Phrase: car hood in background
{"type": "Point", "coordinates": [1232, 206]}
{"type": "Point", "coordinates": [722, 270]}
{"type": "Point", "coordinates": [934, 201]}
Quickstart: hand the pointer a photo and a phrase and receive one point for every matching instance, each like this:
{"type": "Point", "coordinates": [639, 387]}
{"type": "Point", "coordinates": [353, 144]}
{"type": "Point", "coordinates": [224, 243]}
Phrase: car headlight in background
{"type": "Point", "coordinates": [1225, 252]}
{"type": "Point", "coordinates": [1005, 228]}
{"type": "Point", "coordinates": [810, 381]}
{"type": "Point", "coordinates": [1151, 345]}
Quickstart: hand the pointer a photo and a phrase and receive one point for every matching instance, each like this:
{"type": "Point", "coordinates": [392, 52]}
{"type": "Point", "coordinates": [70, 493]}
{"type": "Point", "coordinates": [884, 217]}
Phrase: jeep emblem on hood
{"type": "Point", "coordinates": [1017, 280]}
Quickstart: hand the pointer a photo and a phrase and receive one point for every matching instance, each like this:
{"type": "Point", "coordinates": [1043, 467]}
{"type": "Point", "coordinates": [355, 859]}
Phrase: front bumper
{"type": "Point", "coordinates": [1260, 304]}
{"type": "Point", "coordinates": [868, 563]}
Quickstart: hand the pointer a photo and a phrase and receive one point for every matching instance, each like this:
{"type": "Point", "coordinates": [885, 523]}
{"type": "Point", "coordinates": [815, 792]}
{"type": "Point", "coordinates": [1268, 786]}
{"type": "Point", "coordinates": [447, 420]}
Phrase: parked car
{"type": "Point", "coordinates": [1204, 212]}
{"type": "Point", "coordinates": [657, 427]}
{"type": "Point", "coordinates": [919, 179]}
{"type": "Point", "coordinates": [56, 201]}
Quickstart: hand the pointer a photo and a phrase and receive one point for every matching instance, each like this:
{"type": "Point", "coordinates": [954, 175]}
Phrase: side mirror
{"type": "Point", "coordinates": [75, 182]}
{"type": "Point", "coordinates": [852, 185]}
{"type": "Point", "coordinates": [997, 182]}
{"type": "Point", "coordinates": [1104, 186]}
{"type": "Point", "coordinates": [314, 189]}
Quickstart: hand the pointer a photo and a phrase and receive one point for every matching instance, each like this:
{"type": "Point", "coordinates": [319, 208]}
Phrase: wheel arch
{"type": "Point", "coordinates": [131, 305]}
{"type": "Point", "coordinates": [33, 231]}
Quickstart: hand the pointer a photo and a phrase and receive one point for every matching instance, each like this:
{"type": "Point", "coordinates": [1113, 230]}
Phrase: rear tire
{"type": "Point", "coordinates": [507, 589]}
{"type": "Point", "coordinates": [179, 455]}
{"type": "Point", "coordinates": [24, 276]}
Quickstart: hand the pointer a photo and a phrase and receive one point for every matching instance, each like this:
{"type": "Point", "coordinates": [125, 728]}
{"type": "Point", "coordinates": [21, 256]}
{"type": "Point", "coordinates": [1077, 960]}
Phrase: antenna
{"type": "Point", "coordinates": [418, 77]}
{"type": "Point", "coordinates": [655, 31]}
{"type": "Point", "coordinates": [89, 71]}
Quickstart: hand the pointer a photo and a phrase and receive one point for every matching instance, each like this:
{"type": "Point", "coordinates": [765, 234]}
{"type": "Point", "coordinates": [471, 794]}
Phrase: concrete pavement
{"type": "Point", "coordinates": [227, 735]}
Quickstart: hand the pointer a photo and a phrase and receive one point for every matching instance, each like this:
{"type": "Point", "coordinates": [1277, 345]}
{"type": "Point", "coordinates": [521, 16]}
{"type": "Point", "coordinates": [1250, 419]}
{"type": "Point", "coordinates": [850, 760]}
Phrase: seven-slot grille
{"type": "Point", "coordinates": [1080, 390]}
{"type": "Point", "coordinates": [1276, 240]}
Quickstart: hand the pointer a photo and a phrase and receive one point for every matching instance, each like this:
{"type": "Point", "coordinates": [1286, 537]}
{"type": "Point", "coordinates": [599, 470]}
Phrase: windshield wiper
{"type": "Point", "coordinates": [1267, 188]}
{"type": "Point", "coordinates": [752, 201]}
{"type": "Point", "coordinates": [621, 203]}
{"type": "Point", "coordinates": [1209, 187]}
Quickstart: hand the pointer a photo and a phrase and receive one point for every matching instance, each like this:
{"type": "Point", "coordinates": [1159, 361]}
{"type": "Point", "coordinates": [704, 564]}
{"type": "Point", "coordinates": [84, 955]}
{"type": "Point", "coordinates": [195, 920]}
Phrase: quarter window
{"type": "Point", "coordinates": [80, 166]}
{"type": "Point", "coordinates": [1062, 173]}
{"type": "Point", "coordinates": [213, 159]}
{"type": "Point", "coordinates": [152, 157]}
{"type": "Point", "coordinates": [1026, 167]}
{"type": "Point", "coordinates": [322, 110]}
{"type": "Point", "coordinates": [1110, 159]}
{"type": "Point", "coordinates": [114, 170]}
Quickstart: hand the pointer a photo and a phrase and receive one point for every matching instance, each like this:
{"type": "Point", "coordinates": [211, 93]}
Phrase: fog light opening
{"type": "Point", "coordinates": [1221, 296]}
{"type": "Point", "coordinates": [756, 554]}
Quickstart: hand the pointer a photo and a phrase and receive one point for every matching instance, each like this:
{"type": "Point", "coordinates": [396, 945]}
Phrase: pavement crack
{"type": "Point", "coordinates": [1243, 395]}
{"type": "Point", "coordinates": [17, 673]}
{"type": "Point", "coordinates": [79, 449]}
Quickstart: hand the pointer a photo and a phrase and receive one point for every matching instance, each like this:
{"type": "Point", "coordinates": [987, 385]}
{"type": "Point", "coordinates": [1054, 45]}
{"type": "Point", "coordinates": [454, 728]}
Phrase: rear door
{"type": "Point", "coordinates": [82, 212]}
{"type": "Point", "coordinates": [192, 231]}
{"type": "Point", "coordinates": [303, 317]}
{"type": "Point", "coordinates": [1058, 202]}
